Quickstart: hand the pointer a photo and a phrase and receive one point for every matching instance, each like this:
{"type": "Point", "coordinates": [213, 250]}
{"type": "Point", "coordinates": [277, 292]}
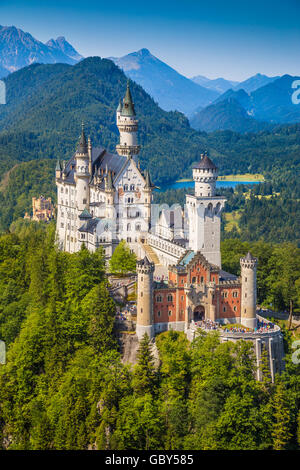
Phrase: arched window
{"type": "Point", "coordinates": [170, 298]}
{"type": "Point", "coordinates": [128, 227]}
{"type": "Point", "coordinates": [132, 187]}
{"type": "Point", "coordinates": [125, 187]}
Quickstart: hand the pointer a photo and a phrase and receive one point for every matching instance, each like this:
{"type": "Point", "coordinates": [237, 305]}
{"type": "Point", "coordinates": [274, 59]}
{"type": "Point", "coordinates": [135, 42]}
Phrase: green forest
{"type": "Point", "coordinates": [65, 387]}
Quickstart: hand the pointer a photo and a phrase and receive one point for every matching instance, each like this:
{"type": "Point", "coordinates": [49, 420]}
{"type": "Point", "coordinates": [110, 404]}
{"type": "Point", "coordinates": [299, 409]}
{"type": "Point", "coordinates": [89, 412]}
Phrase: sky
{"type": "Point", "coordinates": [222, 38]}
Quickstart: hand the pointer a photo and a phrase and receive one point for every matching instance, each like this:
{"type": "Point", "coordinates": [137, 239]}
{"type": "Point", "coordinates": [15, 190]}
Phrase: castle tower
{"type": "Point", "coordinates": [82, 174]}
{"type": "Point", "coordinates": [110, 192]}
{"type": "Point", "coordinates": [145, 319]}
{"type": "Point", "coordinates": [205, 175]}
{"type": "Point", "coordinates": [148, 188]}
{"type": "Point", "coordinates": [204, 212]}
{"type": "Point", "coordinates": [58, 170]}
{"type": "Point", "coordinates": [128, 126]}
{"type": "Point", "coordinates": [248, 300]}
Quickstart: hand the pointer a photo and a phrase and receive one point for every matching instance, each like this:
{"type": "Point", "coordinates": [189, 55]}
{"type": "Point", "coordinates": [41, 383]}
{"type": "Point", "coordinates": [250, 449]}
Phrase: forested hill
{"type": "Point", "coordinates": [46, 104]}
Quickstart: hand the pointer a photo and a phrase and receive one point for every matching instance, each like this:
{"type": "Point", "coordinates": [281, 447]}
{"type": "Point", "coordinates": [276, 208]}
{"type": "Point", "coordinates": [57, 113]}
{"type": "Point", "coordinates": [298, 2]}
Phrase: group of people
{"type": "Point", "coordinates": [237, 329]}
{"type": "Point", "coordinates": [263, 327]}
{"type": "Point", "coordinates": [125, 313]}
{"type": "Point", "coordinates": [207, 324]}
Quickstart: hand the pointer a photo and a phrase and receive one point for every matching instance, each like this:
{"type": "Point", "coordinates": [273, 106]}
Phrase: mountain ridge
{"type": "Point", "coordinates": [30, 50]}
{"type": "Point", "coordinates": [171, 90]}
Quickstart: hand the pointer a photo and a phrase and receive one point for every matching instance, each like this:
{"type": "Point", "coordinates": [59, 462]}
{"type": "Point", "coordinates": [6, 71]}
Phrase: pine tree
{"type": "Point", "coordinates": [144, 372]}
{"type": "Point", "coordinates": [122, 260]}
{"type": "Point", "coordinates": [281, 428]}
{"type": "Point", "coordinates": [99, 308]}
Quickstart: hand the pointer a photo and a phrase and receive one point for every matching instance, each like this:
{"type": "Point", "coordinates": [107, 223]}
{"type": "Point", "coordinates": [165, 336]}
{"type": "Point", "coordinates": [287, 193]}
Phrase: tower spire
{"type": "Point", "coordinates": [82, 147]}
{"type": "Point", "coordinates": [128, 105]}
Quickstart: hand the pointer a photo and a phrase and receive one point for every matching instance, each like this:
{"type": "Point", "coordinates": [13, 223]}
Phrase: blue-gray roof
{"type": "Point", "coordinates": [102, 161]}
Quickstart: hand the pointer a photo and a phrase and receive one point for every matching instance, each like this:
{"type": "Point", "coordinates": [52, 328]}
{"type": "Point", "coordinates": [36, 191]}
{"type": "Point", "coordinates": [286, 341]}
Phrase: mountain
{"type": "Point", "coordinates": [61, 44]}
{"type": "Point", "coordinates": [240, 96]}
{"type": "Point", "coordinates": [42, 121]}
{"type": "Point", "coordinates": [170, 89]}
{"type": "Point", "coordinates": [220, 85]}
{"type": "Point", "coordinates": [271, 103]}
{"type": "Point", "coordinates": [226, 114]}
{"type": "Point", "coordinates": [255, 82]}
{"type": "Point", "coordinates": [46, 104]}
{"type": "Point", "coordinates": [19, 49]}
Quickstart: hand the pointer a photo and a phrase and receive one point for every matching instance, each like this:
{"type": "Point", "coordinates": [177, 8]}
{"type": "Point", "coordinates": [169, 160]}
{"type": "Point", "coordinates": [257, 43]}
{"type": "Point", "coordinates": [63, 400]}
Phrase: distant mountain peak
{"type": "Point", "coordinates": [144, 52]}
{"type": "Point", "coordinates": [20, 49]}
{"type": "Point", "coordinates": [65, 47]}
{"type": "Point", "coordinates": [171, 90]}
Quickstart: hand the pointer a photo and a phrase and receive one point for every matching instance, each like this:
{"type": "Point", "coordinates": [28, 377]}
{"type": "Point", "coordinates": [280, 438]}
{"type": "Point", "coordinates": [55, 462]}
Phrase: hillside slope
{"type": "Point", "coordinates": [47, 103]}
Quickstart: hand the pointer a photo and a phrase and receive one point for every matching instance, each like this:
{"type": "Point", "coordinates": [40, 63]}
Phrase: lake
{"type": "Point", "coordinates": [191, 184]}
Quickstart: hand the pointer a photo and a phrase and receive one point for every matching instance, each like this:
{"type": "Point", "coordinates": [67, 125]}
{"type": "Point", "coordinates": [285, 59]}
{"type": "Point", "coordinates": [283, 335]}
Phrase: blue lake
{"type": "Point", "coordinates": [191, 184]}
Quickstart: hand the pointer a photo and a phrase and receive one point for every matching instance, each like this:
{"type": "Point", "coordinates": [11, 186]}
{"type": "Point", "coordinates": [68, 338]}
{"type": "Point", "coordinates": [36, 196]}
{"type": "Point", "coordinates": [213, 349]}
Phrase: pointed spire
{"type": "Point", "coordinates": [58, 166]}
{"type": "Point", "coordinates": [119, 108]}
{"type": "Point", "coordinates": [109, 181]}
{"type": "Point", "coordinates": [148, 180]}
{"type": "Point", "coordinates": [128, 105]}
{"type": "Point", "coordinates": [82, 147]}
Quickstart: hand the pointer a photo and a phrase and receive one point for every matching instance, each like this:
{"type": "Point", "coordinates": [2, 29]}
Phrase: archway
{"type": "Point", "coordinates": [199, 313]}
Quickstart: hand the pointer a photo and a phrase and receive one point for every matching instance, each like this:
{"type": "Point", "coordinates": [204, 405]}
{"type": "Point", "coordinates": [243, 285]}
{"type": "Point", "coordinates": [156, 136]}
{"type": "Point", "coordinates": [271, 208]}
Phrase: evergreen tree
{"type": "Point", "coordinates": [144, 376]}
{"type": "Point", "coordinates": [122, 260]}
{"type": "Point", "coordinates": [282, 418]}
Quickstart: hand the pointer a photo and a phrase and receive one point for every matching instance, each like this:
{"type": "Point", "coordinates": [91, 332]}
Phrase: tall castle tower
{"type": "Point", "coordinates": [128, 126]}
{"type": "Point", "coordinates": [248, 295]}
{"type": "Point", "coordinates": [204, 212]}
{"type": "Point", "coordinates": [145, 320]}
{"type": "Point", "coordinates": [82, 172]}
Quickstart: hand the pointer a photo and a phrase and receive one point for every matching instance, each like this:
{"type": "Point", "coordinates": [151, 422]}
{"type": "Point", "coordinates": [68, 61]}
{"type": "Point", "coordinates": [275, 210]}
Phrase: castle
{"type": "Point", "coordinates": [42, 209]}
{"type": "Point", "coordinates": [103, 198]}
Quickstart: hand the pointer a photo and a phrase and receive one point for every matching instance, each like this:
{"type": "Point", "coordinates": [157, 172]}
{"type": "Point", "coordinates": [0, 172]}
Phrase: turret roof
{"type": "Point", "coordinates": [85, 214]}
{"type": "Point", "coordinates": [148, 180]}
{"type": "Point", "coordinates": [128, 105]}
{"type": "Point", "coordinates": [205, 163]}
{"type": "Point", "coordinates": [58, 166]}
{"type": "Point", "coordinates": [249, 256]}
{"type": "Point", "coordinates": [82, 146]}
{"type": "Point", "coordinates": [109, 181]}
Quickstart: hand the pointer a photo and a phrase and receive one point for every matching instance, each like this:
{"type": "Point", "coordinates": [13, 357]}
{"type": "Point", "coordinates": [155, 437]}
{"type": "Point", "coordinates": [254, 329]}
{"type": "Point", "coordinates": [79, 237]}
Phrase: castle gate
{"type": "Point", "coordinates": [199, 313]}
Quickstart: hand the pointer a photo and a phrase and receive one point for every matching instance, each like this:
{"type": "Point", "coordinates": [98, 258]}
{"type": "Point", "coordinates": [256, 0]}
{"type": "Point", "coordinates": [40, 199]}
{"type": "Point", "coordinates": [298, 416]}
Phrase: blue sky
{"type": "Point", "coordinates": [229, 38]}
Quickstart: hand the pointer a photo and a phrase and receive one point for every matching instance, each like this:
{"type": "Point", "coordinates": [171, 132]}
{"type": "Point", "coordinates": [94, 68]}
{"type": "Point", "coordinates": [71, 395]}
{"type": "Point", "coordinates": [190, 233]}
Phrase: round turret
{"type": "Point", "coordinates": [205, 175]}
{"type": "Point", "coordinates": [248, 300]}
{"type": "Point", "coordinates": [128, 126]}
{"type": "Point", "coordinates": [144, 324]}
